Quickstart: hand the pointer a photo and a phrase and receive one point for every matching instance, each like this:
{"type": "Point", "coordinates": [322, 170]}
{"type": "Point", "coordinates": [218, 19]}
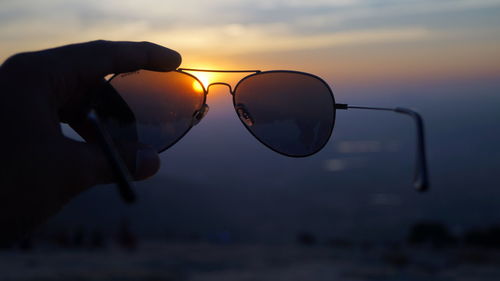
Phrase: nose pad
{"type": "Point", "coordinates": [199, 114]}
{"type": "Point", "coordinates": [244, 115]}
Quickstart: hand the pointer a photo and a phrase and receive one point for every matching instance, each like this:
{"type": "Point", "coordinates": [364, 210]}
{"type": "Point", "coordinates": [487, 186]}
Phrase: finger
{"type": "Point", "coordinates": [99, 58]}
{"type": "Point", "coordinates": [93, 167]}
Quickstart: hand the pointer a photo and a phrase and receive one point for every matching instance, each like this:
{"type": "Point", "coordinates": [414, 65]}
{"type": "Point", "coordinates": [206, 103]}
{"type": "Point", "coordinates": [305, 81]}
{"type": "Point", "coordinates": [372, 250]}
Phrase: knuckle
{"type": "Point", "coordinates": [19, 62]}
{"type": "Point", "coordinates": [28, 63]}
{"type": "Point", "coordinates": [99, 45]}
{"type": "Point", "coordinates": [100, 42]}
{"type": "Point", "coordinates": [145, 44]}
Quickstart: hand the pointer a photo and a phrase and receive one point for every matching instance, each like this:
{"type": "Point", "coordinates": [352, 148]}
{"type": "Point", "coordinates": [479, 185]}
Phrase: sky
{"type": "Point", "coordinates": [348, 41]}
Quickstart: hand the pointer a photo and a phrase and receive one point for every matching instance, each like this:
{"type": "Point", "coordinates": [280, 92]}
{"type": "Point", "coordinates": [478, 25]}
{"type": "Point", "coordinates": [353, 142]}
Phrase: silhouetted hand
{"type": "Point", "coordinates": [41, 169]}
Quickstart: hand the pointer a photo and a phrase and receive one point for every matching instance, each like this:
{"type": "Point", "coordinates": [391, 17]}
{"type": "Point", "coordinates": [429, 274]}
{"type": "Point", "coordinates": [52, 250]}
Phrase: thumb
{"type": "Point", "coordinates": [141, 160]}
{"type": "Point", "coordinates": [147, 162]}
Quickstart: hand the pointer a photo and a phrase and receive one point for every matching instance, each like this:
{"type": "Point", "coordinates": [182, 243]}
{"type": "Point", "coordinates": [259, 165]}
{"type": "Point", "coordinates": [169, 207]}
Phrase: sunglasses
{"type": "Point", "coordinates": [290, 112]}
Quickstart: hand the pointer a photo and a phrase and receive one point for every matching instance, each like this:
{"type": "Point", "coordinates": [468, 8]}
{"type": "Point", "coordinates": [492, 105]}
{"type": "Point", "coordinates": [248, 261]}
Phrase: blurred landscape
{"type": "Point", "coordinates": [223, 207]}
{"type": "Point", "coordinates": [200, 261]}
{"type": "Point", "coordinates": [219, 178]}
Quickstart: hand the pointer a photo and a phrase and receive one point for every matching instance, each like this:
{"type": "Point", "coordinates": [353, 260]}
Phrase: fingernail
{"type": "Point", "coordinates": [147, 163]}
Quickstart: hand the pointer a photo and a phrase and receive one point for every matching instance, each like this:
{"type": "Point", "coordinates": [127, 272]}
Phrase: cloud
{"type": "Point", "coordinates": [221, 25]}
{"type": "Point", "coordinates": [387, 10]}
{"type": "Point", "coordinates": [228, 39]}
{"type": "Point", "coordinates": [273, 38]}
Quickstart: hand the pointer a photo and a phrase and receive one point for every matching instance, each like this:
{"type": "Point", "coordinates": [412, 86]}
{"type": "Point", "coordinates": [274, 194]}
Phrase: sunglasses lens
{"type": "Point", "coordinates": [162, 105]}
{"type": "Point", "coordinates": [290, 112]}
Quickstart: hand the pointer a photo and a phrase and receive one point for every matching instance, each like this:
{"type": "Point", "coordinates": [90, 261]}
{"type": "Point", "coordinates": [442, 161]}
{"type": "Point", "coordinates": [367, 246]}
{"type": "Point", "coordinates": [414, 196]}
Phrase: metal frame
{"type": "Point", "coordinates": [120, 171]}
{"type": "Point", "coordinates": [183, 70]}
{"type": "Point", "coordinates": [296, 72]}
{"type": "Point", "coordinates": [233, 93]}
{"type": "Point", "coordinates": [421, 181]}
{"type": "Point", "coordinates": [421, 178]}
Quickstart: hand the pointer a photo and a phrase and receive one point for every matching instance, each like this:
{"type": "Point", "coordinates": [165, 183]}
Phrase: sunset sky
{"type": "Point", "coordinates": [343, 40]}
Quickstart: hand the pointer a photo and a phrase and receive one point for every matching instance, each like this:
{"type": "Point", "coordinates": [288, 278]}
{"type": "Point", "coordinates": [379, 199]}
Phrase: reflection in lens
{"type": "Point", "coordinates": [290, 112]}
{"type": "Point", "coordinates": [163, 104]}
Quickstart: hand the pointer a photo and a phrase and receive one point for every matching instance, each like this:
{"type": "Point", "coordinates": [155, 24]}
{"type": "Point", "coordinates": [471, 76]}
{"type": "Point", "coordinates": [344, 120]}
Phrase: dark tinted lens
{"type": "Point", "coordinates": [162, 104]}
{"type": "Point", "coordinates": [291, 112]}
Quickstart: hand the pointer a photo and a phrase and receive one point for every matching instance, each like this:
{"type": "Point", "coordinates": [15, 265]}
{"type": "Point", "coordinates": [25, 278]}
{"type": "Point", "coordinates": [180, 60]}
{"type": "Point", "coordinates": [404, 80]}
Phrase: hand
{"type": "Point", "coordinates": [41, 169]}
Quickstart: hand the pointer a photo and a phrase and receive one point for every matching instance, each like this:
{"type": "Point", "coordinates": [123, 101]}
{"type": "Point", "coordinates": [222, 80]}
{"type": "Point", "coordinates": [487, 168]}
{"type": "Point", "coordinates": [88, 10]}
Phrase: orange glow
{"type": "Point", "coordinates": [198, 87]}
{"type": "Point", "coordinates": [205, 78]}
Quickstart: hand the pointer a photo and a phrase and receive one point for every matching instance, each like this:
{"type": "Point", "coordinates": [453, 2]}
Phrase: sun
{"type": "Point", "coordinates": [205, 78]}
{"type": "Point", "coordinates": [197, 87]}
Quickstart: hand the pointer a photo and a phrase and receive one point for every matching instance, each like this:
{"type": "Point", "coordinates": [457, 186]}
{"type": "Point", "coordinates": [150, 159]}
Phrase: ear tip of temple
{"type": "Point", "coordinates": [422, 186]}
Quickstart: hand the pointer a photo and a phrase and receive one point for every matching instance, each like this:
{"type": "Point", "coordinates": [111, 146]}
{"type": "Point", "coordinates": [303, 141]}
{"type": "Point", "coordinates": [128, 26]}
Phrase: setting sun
{"type": "Point", "coordinates": [205, 79]}
{"type": "Point", "coordinates": [198, 87]}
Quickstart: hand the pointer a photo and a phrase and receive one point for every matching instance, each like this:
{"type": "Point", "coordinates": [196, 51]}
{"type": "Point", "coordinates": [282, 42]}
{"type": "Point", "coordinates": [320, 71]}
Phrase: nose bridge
{"type": "Point", "coordinates": [221, 83]}
{"type": "Point", "coordinates": [231, 91]}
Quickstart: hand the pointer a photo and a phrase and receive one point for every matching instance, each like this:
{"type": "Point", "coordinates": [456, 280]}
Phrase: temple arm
{"type": "Point", "coordinates": [122, 175]}
{"type": "Point", "coordinates": [421, 178]}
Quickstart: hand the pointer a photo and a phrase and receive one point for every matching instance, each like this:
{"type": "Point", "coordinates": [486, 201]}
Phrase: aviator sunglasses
{"type": "Point", "coordinates": [290, 112]}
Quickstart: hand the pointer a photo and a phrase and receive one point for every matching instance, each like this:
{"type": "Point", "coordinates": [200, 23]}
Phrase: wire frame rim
{"type": "Point", "coordinates": [332, 125]}
{"type": "Point", "coordinates": [191, 125]}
